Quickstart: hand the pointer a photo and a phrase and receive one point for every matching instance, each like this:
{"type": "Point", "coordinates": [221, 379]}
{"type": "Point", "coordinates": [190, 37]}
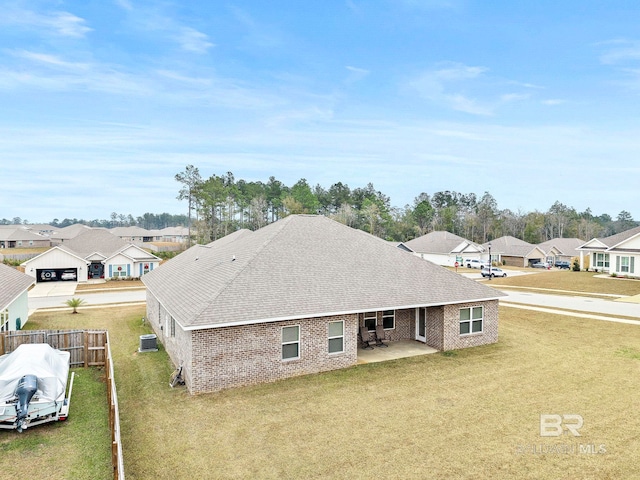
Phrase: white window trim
{"type": "Point", "coordinates": [471, 320]}
{"type": "Point", "coordinates": [329, 338]}
{"type": "Point", "coordinates": [282, 343]}
{"type": "Point", "coordinates": [4, 321]}
{"type": "Point", "coordinates": [393, 316]}
{"type": "Point", "coordinates": [369, 316]}
{"type": "Point", "coordinates": [605, 263]}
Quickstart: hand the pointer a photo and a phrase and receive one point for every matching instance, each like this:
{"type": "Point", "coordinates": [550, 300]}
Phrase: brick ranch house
{"type": "Point", "coordinates": [289, 300]}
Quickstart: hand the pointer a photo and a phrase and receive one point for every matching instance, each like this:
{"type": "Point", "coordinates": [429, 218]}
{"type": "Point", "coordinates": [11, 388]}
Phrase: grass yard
{"type": "Point", "coordinates": [466, 414]}
{"type": "Point", "coordinates": [586, 282]}
{"type": "Point", "coordinates": [78, 448]}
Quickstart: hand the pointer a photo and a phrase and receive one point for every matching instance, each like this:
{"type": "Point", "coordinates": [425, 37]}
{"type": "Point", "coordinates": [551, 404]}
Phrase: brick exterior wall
{"type": "Point", "coordinates": [219, 358]}
{"type": "Point", "coordinates": [435, 327]}
{"type": "Point", "coordinates": [452, 338]}
{"type": "Point", "coordinates": [251, 354]}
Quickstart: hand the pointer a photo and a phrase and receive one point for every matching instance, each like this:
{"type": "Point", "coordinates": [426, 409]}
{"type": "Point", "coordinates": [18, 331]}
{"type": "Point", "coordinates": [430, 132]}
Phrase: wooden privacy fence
{"type": "Point", "coordinates": [88, 348]}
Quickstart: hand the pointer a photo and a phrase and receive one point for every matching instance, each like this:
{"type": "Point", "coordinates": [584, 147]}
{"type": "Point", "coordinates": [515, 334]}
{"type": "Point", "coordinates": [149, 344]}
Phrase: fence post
{"type": "Point", "coordinates": [86, 350]}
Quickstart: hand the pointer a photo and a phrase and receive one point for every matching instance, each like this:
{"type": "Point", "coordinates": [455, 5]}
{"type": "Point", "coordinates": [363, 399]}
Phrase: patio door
{"type": "Point", "coordinates": [421, 325]}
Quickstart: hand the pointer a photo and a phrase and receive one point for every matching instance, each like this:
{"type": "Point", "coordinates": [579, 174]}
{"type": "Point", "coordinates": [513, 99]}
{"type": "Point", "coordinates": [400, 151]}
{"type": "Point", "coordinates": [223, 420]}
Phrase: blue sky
{"type": "Point", "coordinates": [102, 102]}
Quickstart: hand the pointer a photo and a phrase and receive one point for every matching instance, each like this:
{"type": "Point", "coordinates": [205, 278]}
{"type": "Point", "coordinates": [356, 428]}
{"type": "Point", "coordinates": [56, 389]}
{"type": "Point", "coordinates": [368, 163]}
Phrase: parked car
{"type": "Point", "coordinates": [475, 263]}
{"type": "Point", "coordinates": [563, 265]}
{"type": "Point", "coordinates": [68, 275]}
{"type": "Point", "coordinates": [540, 265]}
{"type": "Point", "coordinates": [495, 272]}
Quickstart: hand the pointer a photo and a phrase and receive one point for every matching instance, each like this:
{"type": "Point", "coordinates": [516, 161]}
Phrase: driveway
{"type": "Point", "coordinates": [52, 289]}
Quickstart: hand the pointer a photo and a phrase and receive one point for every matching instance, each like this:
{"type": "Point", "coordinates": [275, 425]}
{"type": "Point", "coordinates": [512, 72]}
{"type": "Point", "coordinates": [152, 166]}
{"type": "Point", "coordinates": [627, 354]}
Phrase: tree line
{"type": "Point", "coordinates": [221, 204]}
{"type": "Point", "coordinates": [150, 221]}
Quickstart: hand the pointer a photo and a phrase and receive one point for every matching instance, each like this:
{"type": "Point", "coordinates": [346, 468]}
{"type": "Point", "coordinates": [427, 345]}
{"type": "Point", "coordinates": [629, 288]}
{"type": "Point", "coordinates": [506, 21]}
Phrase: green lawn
{"type": "Point", "coordinates": [468, 414]}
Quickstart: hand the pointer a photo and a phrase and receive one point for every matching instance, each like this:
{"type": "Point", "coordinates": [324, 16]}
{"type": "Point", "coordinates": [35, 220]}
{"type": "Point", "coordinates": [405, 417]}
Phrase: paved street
{"type": "Point", "coordinates": [97, 298]}
{"type": "Point", "coordinates": [584, 304]}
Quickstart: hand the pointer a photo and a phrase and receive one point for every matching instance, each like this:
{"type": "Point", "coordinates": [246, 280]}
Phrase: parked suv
{"type": "Point", "coordinates": [562, 265]}
{"type": "Point", "coordinates": [475, 263]}
{"type": "Point", "coordinates": [495, 272]}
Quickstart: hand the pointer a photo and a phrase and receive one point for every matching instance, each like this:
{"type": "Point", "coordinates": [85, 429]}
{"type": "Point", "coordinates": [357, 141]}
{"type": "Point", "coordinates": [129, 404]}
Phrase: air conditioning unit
{"type": "Point", "coordinates": [148, 343]}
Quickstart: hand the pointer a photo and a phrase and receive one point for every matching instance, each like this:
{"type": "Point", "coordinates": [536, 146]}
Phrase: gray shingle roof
{"type": "Point", "coordinates": [510, 246]}
{"type": "Point", "coordinates": [20, 234]}
{"type": "Point", "coordinates": [436, 242]}
{"type": "Point", "coordinates": [298, 267]}
{"type": "Point", "coordinates": [94, 240]}
{"type": "Point", "coordinates": [619, 237]}
{"type": "Point", "coordinates": [567, 246]}
{"type": "Point", "coordinates": [12, 284]}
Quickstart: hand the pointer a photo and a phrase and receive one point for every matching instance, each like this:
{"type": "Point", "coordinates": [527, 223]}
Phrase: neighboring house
{"type": "Point", "coordinates": [65, 234]}
{"type": "Point", "coordinates": [561, 249]}
{"type": "Point", "coordinates": [511, 251]}
{"type": "Point", "coordinates": [289, 299]}
{"type": "Point", "coordinates": [619, 253]}
{"type": "Point", "coordinates": [171, 234]}
{"type": "Point", "coordinates": [135, 235]}
{"type": "Point", "coordinates": [444, 248]}
{"type": "Point", "coordinates": [14, 307]}
{"type": "Point", "coordinates": [95, 253]}
{"type": "Point", "coordinates": [20, 237]}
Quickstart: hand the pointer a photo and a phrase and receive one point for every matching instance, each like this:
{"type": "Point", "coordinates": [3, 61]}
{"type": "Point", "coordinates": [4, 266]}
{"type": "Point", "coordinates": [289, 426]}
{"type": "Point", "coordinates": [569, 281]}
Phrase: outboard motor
{"type": "Point", "coordinates": [26, 389]}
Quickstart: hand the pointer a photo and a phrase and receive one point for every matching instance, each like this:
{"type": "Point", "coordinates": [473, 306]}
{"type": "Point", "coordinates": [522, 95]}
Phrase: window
{"type": "Point", "coordinates": [4, 321]}
{"type": "Point", "coordinates": [471, 319]}
{"type": "Point", "coordinates": [602, 260]}
{"type": "Point", "coordinates": [172, 322]}
{"type": "Point", "coordinates": [389, 319]}
{"type": "Point", "coordinates": [291, 342]}
{"type": "Point", "coordinates": [119, 270]}
{"type": "Point", "coordinates": [336, 337]}
{"type": "Point", "coordinates": [625, 264]}
{"type": "Point", "coordinates": [370, 321]}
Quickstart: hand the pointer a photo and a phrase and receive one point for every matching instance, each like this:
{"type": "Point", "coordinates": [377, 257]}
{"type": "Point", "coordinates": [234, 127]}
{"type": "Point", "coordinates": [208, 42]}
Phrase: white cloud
{"type": "Point", "coordinates": [192, 40]}
{"type": "Point", "coordinates": [514, 97]}
{"type": "Point", "coordinates": [622, 51]}
{"type": "Point", "coordinates": [125, 4]}
{"type": "Point", "coordinates": [355, 74]}
{"type": "Point", "coordinates": [59, 23]}
{"type": "Point", "coordinates": [49, 60]}
{"type": "Point", "coordinates": [435, 86]}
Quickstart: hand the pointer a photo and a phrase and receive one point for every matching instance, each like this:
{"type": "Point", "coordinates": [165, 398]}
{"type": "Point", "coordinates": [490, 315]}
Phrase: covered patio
{"type": "Point", "coordinates": [398, 349]}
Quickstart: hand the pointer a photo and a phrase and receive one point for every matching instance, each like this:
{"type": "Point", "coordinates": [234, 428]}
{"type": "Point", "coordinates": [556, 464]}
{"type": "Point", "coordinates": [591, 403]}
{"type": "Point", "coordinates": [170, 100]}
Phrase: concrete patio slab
{"type": "Point", "coordinates": [399, 349]}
